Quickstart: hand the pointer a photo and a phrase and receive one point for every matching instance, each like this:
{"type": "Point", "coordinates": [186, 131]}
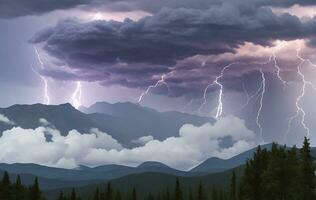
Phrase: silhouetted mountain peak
{"type": "Point", "coordinates": [152, 164]}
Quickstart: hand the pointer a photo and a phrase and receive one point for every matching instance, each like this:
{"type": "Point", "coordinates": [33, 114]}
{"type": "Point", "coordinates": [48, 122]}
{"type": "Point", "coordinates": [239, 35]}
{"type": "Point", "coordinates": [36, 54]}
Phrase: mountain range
{"type": "Point", "coordinates": [124, 122]}
{"type": "Point", "coordinates": [138, 121]}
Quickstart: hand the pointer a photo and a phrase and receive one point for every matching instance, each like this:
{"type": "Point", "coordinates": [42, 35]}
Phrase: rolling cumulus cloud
{"type": "Point", "coordinates": [193, 145]}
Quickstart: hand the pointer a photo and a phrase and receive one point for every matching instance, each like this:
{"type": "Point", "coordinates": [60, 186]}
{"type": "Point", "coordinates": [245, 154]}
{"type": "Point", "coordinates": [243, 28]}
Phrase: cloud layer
{"type": "Point", "coordinates": [16, 8]}
{"type": "Point", "coordinates": [4, 119]}
{"type": "Point", "coordinates": [136, 54]}
{"type": "Point", "coordinates": [193, 145]}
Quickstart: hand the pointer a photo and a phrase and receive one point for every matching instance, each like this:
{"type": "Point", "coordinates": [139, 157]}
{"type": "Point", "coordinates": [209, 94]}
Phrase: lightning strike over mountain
{"type": "Point", "coordinates": [299, 109]}
{"type": "Point", "coordinates": [76, 97]}
{"type": "Point", "coordinates": [263, 90]}
{"type": "Point", "coordinates": [219, 109]}
{"type": "Point", "coordinates": [45, 81]}
{"type": "Point", "coordinates": [159, 82]}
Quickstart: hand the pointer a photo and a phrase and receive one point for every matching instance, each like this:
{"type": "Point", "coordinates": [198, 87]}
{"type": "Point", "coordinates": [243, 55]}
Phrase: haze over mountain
{"type": "Point", "coordinates": [123, 121]}
{"type": "Point", "coordinates": [108, 172]}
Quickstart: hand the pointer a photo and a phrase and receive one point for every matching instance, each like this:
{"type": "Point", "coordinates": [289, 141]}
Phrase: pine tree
{"type": "Point", "coordinates": [61, 196]}
{"type": "Point", "coordinates": [6, 179]}
{"type": "Point", "coordinates": [214, 194]}
{"type": "Point", "coordinates": [190, 194]}
{"type": "Point", "coordinates": [118, 195]}
{"type": "Point", "coordinates": [158, 196]}
{"type": "Point", "coordinates": [35, 193]}
{"type": "Point", "coordinates": [18, 189]}
{"type": "Point", "coordinates": [150, 197]}
{"type": "Point", "coordinates": [178, 192]}
{"type": "Point", "coordinates": [134, 194]}
{"type": "Point", "coordinates": [252, 182]}
{"type": "Point", "coordinates": [109, 192]}
{"type": "Point", "coordinates": [5, 192]}
{"type": "Point", "coordinates": [96, 194]}
{"type": "Point", "coordinates": [307, 172]}
{"type": "Point", "coordinates": [167, 195]}
{"type": "Point", "coordinates": [200, 193]}
{"type": "Point", "coordinates": [233, 186]}
{"type": "Point", "coordinates": [73, 195]}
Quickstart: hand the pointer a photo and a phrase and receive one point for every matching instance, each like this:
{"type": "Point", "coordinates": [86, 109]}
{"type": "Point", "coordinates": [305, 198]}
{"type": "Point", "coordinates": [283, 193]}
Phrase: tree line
{"type": "Point", "coordinates": [17, 191]}
{"type": "Point", "coordinates": [281, 173]}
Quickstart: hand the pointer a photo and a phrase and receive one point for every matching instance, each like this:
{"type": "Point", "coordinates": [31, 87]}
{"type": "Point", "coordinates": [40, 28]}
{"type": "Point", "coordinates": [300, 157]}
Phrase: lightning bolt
{"type": "Point", "coordinates": [299, 109]}
{"type": "Point", "coordinates": [45, 81]}
{"type": "Point", "coordinates": [263, 90]}
{"type": "Point", "coordinates": [249, 97]}
{"type": "Point", "coordinates": [159, 82]}
{"type": "Point", "coordinates": [76, 97]}
{"type": "Point", "coordinates": [219, 109]}
{"type": "Point", "coordinates": [278, 71]}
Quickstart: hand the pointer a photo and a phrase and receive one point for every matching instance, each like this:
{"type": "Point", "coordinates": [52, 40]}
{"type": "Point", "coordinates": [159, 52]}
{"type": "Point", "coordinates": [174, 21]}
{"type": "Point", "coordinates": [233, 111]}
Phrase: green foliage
{"type": "Point", "coordinates": [232, 192]}
{"type": "Point", "coordinates": [17, 191]}
{"type": "Point", "coordinates": [279, 174]}
{"type": "Point", "coordinates": [178, 192]}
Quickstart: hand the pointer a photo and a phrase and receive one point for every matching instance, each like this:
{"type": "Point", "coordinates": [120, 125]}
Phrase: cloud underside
{"type": "Point", "coordinates": [193, 145]}
{"type": "Point", "coordinates": [136, 54]}
{"type": "Point", "coordinates": [16, 8]}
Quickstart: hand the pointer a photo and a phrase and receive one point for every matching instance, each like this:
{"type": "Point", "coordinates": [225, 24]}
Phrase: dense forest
{"type": "Point", "coordinates": [16, 191]}
{"type": "Point", "coordinates": [281, 173]}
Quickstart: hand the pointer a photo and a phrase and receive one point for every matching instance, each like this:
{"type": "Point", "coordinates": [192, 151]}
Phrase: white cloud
{"type": "Point", "coordinates": [193, 145]}
{"type": "Point", "coordinates": [6, 120]}
{"type": "Point", "coordinates": [143, 140]}
{"type": "Point", "coordinates": [44, 122]}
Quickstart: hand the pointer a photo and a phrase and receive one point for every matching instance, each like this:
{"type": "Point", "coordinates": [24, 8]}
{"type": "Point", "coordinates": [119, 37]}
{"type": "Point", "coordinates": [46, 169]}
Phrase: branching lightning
{"type": "Point", "coordinates": [45, 81]}
{"type": "Point", "coordinates": [278, 71]}
{"type": "Point", "coordinates": [299, 109]}
{"type": "Point", "coordinates": [261, 90]}
{"type": "Point", "coordinates": [219, 109]}
{"type": "Point", "coordinates": [159, 82]}
{"type": "Point", "coordinates": [76, 97]}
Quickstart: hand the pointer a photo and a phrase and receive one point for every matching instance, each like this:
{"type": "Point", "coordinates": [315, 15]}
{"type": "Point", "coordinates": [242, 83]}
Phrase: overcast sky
{"type": "Point", "coordinates": [251, 59]}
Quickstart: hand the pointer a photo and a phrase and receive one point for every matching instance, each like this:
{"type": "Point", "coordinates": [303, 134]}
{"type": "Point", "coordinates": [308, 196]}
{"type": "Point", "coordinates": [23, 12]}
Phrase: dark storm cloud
{"type": "Point", "coordinates": [137, 53]}
{"type": "Point", "coordinates": [283, 3]}
{"type": "Point", "coordinates": [16, 8]}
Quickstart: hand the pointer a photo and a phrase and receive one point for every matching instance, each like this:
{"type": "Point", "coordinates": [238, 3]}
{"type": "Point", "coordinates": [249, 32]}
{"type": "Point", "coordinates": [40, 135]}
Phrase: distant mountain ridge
{"type": "Point", "coordinates": [214, 164]}
{"type": "Point", "coordinates": [142, 121]}
{"type": "Point", "coordinates": [88, 177]}
{"type": "Point", "coordinates": [84, 173]}
{"type": "Point", "coordinates": [123, 121]}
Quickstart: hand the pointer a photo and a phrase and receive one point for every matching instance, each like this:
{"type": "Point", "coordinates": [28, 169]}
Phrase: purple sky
{"type": "Point", "coordinates": [168, 55]}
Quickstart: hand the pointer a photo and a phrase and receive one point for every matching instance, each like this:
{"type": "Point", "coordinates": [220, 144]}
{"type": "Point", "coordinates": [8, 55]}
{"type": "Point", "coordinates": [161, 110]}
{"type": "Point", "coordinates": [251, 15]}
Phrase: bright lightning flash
{"type": "Point", "coordinates": [76, 97]}
{"type": "Point", "coordinates": [45, 81]}
{"type": "Point", "coordinates": [299, 109]}
{"type": "Point", "coordinates": [159, 82]}
{"type": "Point", "coordinates": [263, 90]}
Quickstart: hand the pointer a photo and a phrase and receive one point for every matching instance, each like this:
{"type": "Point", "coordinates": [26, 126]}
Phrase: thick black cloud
{"type": "Point", "coordinates": [137, 53]}
{"type": "Point", "coordinates": [16, 8]}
